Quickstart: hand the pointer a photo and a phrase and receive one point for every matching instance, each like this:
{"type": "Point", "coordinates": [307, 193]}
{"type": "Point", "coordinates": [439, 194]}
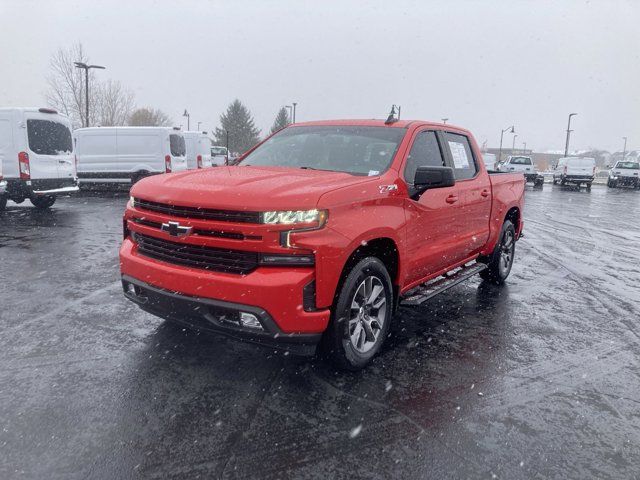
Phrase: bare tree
{"type": "Point", "coordinates": [110, 102]}
{"type": "Point", "coordinates": [65, 84]}
{"type": "Point", "coordinates": [114, 103]}
{"type": "Point", "coordinates": [149, 117]}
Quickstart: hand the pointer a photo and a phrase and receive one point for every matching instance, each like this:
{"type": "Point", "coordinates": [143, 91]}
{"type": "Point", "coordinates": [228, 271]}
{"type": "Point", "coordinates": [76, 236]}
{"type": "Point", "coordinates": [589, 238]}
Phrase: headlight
{"type": "Point", "coordinates": [290, 217]}
{"type": "Point", "coordinates": [132, 201]}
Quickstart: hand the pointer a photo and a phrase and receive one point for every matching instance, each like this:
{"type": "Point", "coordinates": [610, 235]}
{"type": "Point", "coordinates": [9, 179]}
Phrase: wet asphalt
{"type": "Point", "coordinates": [537, 379]}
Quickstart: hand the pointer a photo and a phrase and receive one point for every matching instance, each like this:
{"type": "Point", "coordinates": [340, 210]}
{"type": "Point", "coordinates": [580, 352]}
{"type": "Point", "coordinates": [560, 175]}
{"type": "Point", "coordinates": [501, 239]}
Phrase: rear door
{"type": "Point", "coordinates": [178, 152]}
{"type": "Point", "coordinates": [8, 157]}
{"type": "Point", "coordinates": [580, 167]}
{"type": "Point", "coordinates": [50, 147]}
{"type": "Point", "coordinates": [432, 219]}
{"type": "Point", "coordinates": [474, 192]}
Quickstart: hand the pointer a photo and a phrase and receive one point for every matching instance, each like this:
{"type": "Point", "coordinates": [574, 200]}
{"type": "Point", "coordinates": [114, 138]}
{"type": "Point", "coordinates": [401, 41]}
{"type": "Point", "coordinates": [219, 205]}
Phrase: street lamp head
{"type": "Point", "coordinates": [96, 66]}
{"type": "Point", "coordinates": [80, 64]}
{"type": "Point", "coordinates": [185, 114]}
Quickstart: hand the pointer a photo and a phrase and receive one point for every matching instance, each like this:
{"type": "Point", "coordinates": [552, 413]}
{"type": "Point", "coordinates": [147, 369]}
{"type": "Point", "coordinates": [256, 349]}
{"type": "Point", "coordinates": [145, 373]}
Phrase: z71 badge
{"type": "Point", "coordinates": [388, 188]}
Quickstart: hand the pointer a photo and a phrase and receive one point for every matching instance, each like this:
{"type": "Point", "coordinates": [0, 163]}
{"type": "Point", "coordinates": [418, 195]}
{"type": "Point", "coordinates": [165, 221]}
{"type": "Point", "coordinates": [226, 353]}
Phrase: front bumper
{"type": "Point", "coordinates": [49, 186]}
{"type": "Point", "coordinates": [275, 293]}
{"type": "Point", "coordinates": [625, 180]}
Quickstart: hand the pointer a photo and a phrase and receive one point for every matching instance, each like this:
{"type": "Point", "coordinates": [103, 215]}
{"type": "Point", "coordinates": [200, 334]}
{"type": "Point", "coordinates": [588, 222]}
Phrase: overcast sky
{"type": "Point", "coordinates": [484, 65]}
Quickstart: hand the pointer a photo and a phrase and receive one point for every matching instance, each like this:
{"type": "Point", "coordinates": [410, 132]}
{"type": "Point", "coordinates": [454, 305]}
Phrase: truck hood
{"type": "Point", "coordinates": [244, 188]}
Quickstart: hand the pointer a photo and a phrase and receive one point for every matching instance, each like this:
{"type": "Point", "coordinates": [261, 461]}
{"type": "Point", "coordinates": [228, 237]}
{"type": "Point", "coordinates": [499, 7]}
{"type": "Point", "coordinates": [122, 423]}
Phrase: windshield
{"type": "Point", "coordinates": [628, 165]}
{"type": "Point", "coordinates": [218, 151]}
{"type": "Point", "coordinates": [350, 149]}
{"type": "Point", "coordinates": [520, 161]}
{"type": "Point", "coordinates": [47, 137]}
{"type": "Point", "coordinates": [178, 148]}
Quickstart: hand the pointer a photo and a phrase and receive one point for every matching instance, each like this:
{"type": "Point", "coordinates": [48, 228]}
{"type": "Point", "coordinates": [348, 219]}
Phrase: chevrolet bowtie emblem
{"type": "Point", "coordinates": [175, 229]}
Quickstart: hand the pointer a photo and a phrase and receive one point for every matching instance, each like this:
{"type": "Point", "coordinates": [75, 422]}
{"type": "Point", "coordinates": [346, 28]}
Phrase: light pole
{"type": "Point", "coordinates": [566, 145]}
{"type": "Point", "coordinates": [294, 112]}
{"type": "Point", "coordinates": [513, 145]}
{"type": "Point", "coordinates": [86, 69]}
{"type": "Point", "coordinates": [510, 129]}
{"type": "Point", "coordinates": [186, 114]}
{"type": "Point", "coordinates": [290, 112]}
{"type": "Point", "coordinates": [524, 148]}
{"type": "Point", "coordinates": [198, 126]}
{"type": "Point", "coordinates": [444, 120]}
{"type": "Point", "coordinates": [624, 150]}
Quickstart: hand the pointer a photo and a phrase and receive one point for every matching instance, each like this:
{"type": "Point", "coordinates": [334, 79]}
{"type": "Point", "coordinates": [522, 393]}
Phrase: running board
{"type": "Point", "coordinates": [424, 292]}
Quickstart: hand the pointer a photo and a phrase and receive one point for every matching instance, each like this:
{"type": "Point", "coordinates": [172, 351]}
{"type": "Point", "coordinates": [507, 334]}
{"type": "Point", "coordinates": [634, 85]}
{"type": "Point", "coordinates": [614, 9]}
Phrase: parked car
{"type": "Point", "coordinates": [124, 155]}
{"type": "Point", "coordinates": [3, 190]}
{"type": "Point", "coordinates": [219, 155]}
{"type": "Point", "coordinates": [624, 174]}
{"type": "Point", "coordinates": [319, 233]}
{"type": "Point", "coordinates": [524, 165]}
{"type": "Point", "coordinates": [36, 152]}
{"type": "Point", "coordinates": [575, 170]}
{"type": "Point", "coordinates": [489, 160]}
{"type": "Point", "coordinates": [198, 150]}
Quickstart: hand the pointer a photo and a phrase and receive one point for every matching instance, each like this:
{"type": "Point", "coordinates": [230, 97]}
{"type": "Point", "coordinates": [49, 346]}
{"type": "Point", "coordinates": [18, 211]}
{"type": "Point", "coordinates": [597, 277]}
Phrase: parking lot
{"type": "Point", "coordinates": [537, 379]}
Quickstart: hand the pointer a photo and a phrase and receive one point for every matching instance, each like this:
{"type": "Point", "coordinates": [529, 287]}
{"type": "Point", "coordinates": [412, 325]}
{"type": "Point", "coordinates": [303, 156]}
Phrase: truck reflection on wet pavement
{"type": "Point", "coordinates": [535, 379]}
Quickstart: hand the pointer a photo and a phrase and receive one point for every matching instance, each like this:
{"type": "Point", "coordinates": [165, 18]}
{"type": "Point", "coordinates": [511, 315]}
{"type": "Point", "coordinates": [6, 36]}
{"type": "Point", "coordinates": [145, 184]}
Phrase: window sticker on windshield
{"type": "Point", "coordinates": [373, 173]}
{"type": "Point", "coordinates": [459, 155]}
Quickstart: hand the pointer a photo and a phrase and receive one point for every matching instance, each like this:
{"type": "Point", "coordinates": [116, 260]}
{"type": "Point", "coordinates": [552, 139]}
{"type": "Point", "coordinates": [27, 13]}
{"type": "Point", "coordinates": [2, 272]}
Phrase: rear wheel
{"type": "Point", "coordinates": [588, 185]}
{"type": "Point", "coordinates": [555, 181]}
{"type": "Point", "coordinates": [361, 315]}
{"type": "Point", "coordinates": [499, 263]}
{"type": "Point", "coordinates": [562, 181]}
{"type": "Point", "coordinates": [3, 203]}
{"type": "Point", "coordinates": [43, 202]}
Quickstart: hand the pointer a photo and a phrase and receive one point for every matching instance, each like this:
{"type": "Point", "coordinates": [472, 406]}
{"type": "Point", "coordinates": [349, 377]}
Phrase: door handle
{"type": "Point", "coordinates": [451, 199]}
{"type": "Point", "coordinates": [484, 193]}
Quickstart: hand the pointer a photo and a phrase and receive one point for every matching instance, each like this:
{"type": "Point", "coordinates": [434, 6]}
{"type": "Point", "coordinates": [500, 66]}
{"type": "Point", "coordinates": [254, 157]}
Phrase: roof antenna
{"type": "Point", "coordinates": [392, 115]}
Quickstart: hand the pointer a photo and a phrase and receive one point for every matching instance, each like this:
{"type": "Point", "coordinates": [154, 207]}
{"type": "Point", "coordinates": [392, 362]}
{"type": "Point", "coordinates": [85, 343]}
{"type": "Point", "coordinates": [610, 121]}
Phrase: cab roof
{"type": "Point", "coordinates": [380, 123]}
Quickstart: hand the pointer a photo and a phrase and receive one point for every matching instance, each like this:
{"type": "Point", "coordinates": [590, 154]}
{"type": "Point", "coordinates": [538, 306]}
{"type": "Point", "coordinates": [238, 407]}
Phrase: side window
{"type": "Point", "coordinates": [425, 151]}
{"type": "Point", "coordinates": [463, 162]}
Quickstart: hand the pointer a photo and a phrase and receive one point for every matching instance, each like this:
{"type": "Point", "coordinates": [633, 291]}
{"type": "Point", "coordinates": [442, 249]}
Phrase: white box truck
{"type": "Point", "coordinates": [198, 150]}
{"type": "Point", "coordinates": [124, 155]}
{"type": "Point", "coordinates": [36, 152]}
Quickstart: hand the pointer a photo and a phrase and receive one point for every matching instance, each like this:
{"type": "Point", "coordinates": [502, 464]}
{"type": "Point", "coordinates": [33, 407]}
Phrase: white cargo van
{"type": "Point", "coordinates": [489, 160]}
{"type": "Point", "coordinates": [198, 149]}
{"type": "Point", "coordinates": [575, 170]}
{"type": "Point", "coordinates": [124, 155]}
{"type": "Point", "coordinates": [36, 152]}
{"type": "Point", "coordinates": [219, 155]}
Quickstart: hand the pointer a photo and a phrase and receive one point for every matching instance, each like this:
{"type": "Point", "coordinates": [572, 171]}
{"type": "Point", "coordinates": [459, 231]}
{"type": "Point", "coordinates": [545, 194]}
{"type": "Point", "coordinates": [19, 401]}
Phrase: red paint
{"type": "Point", "coordinates": [445, 228]}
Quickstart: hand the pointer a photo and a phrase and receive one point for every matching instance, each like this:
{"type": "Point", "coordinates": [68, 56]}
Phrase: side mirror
{"type": "Point", "coordinates": [427, 178]}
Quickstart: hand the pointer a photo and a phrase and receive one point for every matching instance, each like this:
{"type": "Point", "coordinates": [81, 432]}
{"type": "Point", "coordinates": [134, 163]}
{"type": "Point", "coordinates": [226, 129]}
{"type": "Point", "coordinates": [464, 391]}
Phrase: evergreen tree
{"type": "Point", "coordinates": [237, 120]}
{"type": "Point", "coordinates": [281, 121]}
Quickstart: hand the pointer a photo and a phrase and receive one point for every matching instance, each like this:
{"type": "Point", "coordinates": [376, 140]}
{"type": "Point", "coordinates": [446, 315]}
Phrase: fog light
{"type": "Point", "coordinates": [249, 320]}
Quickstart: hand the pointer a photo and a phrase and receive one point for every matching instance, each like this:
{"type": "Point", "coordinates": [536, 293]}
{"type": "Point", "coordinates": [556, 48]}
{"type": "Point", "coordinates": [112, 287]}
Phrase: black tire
{"type": "Point", "coordinates": [497, 272]}
{"type": "Point", "coordinates": [588, 185]}
{"type": "Point", "coordinates": [555, 182]}
{"type": "Point", "coordinates": [43, 202]}
{"type": "Point", "coordinates": [136, 177]}
{"type": "Point", "coordinates": [3, 203]}
{"type": "Point", "coordinates": [609, 184]}
{"type": "Point", "coordinates": [562, 181]}
{"type": "Point", "coordinates": [354, 336]}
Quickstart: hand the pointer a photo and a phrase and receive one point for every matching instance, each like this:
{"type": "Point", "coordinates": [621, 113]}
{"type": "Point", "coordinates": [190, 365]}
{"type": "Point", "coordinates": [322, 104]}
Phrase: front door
{"type": "Point", "coordinates": [432, 219]}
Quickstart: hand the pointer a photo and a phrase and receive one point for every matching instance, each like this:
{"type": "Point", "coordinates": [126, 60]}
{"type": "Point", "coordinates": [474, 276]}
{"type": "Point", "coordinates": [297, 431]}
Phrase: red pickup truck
{"type": "Point", "coordinates": [319, 233]}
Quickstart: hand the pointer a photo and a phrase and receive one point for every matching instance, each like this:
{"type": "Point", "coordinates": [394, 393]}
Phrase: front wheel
{"type": "Point", "coordinates": [361, 315]}
{"type": "Point", "coordinates": [3, 203]}
{"type": "Point", "coordinates": [43, 202]}
{"type": "Point", "coordinates": [500, 261]}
